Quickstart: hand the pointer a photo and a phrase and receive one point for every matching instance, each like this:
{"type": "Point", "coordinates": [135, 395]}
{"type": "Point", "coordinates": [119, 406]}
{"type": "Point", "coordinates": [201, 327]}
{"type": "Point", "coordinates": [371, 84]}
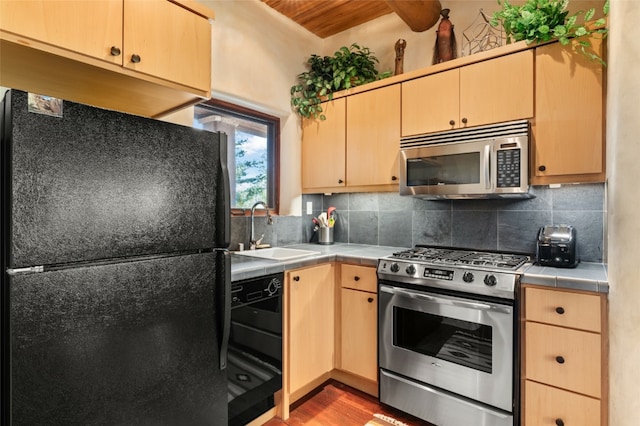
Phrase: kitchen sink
{"type": "Point", "coordinates": [277, 253]}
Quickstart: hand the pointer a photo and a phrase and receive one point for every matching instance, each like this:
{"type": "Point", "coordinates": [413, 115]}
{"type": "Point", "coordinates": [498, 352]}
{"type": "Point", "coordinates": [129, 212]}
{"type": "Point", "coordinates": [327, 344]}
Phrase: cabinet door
{"type": "Point", "coordinates": [171, 42]}
{"type": "Point", "coordinates": [373, 137]}
{"type": "Point", "coordinates": [90, 28]}
{"type": "Point", "coordinates": [430, 103]}
{"type": "Point", "coordinates": [359, 344]}
{"type": "Point", "coordinates": [497, 90]}
{"type": "Point", "coordinates": [323, 148]}
{"type": "Point", "coordinates": [568, 131]}
{"type": "Point", "coordinates": [311, 324]}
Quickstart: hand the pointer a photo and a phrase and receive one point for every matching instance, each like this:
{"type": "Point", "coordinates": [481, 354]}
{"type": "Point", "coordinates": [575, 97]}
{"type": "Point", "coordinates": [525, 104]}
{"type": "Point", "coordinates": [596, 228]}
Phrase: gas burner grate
{"type": "Point", "coordinates": [447, 256]}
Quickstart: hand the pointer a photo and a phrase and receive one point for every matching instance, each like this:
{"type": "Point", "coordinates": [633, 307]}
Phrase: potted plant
{"type": "Point", "coordinates": [545, 20]}
{"type": "Point", "coordinates": [348, 67]}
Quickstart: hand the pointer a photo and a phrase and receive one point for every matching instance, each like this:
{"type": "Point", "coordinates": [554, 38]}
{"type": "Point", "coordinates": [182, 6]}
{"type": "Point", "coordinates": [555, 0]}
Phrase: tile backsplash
{"type": "Point", "coordinates": [392, 220]}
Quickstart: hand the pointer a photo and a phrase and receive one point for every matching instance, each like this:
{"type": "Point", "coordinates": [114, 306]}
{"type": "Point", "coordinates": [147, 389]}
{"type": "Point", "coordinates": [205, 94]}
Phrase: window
{"type": "Point", "coordinates": [254, 163]}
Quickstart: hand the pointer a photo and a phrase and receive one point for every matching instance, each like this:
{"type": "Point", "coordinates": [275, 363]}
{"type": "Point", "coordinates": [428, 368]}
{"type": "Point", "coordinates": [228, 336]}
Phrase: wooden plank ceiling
{"type": "Point", "coordinates": [325, 18]}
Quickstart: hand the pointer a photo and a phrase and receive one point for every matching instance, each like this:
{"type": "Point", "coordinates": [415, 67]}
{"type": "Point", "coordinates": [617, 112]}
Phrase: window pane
{"type": "Point", "coordinates": [252, 163]}
{"type": "Point", "coordinates": [250, 169]}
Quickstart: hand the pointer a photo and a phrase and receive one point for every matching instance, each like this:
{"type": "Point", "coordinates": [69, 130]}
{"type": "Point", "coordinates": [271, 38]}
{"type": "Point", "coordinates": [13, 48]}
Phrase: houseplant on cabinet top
{"type": "Point", "coordinates": [348, 67]}
{"type": "Point", "coordinates": [545, 20]}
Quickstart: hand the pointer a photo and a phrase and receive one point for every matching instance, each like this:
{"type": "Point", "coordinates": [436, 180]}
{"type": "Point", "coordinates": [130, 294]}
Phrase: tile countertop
{"type": "Point", "coordinates": [244, 267]}
{"type": "Point", "coordinates": [586, 276]}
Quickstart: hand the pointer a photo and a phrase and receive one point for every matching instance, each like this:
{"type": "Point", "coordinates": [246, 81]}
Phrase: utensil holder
{"type": "Point", "coordinates": [325, 235]}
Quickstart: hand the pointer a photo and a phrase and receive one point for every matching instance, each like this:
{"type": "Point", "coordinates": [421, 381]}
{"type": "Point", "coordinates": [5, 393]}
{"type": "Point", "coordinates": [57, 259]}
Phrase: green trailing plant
{"type": "Point", "coordinates": [545, 20]}
{"type": "Point", "coordinates": [348, 67]}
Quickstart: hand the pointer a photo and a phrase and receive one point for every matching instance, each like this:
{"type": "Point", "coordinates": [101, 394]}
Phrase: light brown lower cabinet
{"type": "Point", "coordinates": [329, 331]}
{"type": "Point", "coordinates": [549, 406]}
{"type": "Point", "coordinates": [356, 328]}
{"type": "Point", "coordinates": [565, 364]}
{"type": "Point", "coordinates": [359, 338]}
{"type": "Point", "coordinates": [309, 295]}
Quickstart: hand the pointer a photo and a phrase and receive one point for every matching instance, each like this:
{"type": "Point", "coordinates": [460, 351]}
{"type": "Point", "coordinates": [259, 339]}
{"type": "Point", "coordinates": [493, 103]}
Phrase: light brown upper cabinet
{"type": "Point", "coordinates": [568, 131]}
{"type": "Point", "coordinates": [373, 137]}
{"type": "Point", "coordinates": [356, 147]}
{"type": "Point", "coordinates": [168, 41]}
{"type": "Point", "coordinates": [491, 91]}
{"type": "Point", "coordinates": [323, 148]}
{"type": "Point", "coordinates": [92, 28]}
{"type": "Point", "coordinates": [147, 57]}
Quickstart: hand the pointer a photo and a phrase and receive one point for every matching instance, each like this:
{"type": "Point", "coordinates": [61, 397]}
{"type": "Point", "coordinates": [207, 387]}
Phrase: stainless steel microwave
{"type": "Point", "coordinates": [477, 162]}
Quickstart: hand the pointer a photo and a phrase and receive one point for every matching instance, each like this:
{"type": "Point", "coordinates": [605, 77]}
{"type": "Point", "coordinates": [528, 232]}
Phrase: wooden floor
{"type": "Point", "coordinates": [336, 404]}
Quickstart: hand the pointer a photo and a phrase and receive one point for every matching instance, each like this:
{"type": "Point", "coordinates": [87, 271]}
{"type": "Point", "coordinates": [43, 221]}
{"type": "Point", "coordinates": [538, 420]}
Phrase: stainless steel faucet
{"type": "Point", "coordinates": [252, 238]}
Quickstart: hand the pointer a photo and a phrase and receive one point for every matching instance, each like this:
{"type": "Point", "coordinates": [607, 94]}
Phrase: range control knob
{"type": "Point", "coordinates": [467, 277]}
{"type": "Point", "coordinates": [273, 286]}
{"type": "Point", "coordinates": [394, 267]}
{"type": "Point", "coordinates": [411, 269]}
{"type": "Point", "coordinates": [490, 280]}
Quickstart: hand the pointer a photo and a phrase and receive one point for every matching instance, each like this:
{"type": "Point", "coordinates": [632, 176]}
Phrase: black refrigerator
{"type": "Point", "coordinates": [115, 273]}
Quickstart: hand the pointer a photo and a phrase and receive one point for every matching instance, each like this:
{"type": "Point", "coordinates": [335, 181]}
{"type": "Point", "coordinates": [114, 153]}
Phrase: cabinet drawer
{"type": "Point", "coordinates": [569, 359]}
{"type": "Point", "coordinates": [359, 277]}
{"type": "Point", "coordinates": [547, 406]}
{"type": "Point", "coordinates": [575, 310]}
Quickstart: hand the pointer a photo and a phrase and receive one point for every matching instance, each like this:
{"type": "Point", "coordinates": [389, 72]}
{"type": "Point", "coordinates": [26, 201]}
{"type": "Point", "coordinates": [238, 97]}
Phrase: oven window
{"type": "Point", "coordinates": [461, 342]}
{"type": "Point", "coordinates": [455, 169]}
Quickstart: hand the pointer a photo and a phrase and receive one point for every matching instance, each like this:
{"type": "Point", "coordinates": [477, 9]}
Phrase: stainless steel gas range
{"type": "Point", "coordinates": [448, 334]}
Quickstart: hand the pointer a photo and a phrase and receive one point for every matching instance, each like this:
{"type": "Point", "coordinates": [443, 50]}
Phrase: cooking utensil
{"type": "Point", "coordinates": [324, 221]}
{"type": "Point", "coordinates": [314, 233]}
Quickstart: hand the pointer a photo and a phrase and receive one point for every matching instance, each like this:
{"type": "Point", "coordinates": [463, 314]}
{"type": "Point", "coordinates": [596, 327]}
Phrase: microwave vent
{"type": "Point", "coordinates": [469, 134]}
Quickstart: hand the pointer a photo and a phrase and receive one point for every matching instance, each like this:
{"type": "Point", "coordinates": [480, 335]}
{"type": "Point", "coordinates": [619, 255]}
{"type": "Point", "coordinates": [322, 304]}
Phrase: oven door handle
{"type": "Point", "coordinates": [445, 300]}
{"type": "Point", "coordinates": [474, 305]}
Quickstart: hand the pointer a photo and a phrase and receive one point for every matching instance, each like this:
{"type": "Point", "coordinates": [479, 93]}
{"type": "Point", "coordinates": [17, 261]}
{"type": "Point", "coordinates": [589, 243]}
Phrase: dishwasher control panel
{"type": "Point", "coordinates": [254, 289]}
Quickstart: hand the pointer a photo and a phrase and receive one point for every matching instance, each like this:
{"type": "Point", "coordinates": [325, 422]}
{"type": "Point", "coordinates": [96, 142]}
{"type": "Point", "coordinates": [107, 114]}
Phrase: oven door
{"type": "Point", "coordinates": [453, 343]}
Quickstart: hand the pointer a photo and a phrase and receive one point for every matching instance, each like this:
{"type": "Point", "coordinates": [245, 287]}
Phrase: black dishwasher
{"type": "Point", "coordinates": [255, 347]}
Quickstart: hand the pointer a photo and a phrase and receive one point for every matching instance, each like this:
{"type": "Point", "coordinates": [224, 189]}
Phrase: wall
{"type": "Point", "coordinates": [256, 56]}
{"type": "Point", "coordinates": [623, 154]}
{"type": "Point", "coordinates": [508, 225]}
{"type": "Point", "coordinates": [389, 219]}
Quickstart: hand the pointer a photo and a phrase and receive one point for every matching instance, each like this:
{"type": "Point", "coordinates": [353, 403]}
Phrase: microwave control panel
{"type": "Point", "coordinates": [508, 174]}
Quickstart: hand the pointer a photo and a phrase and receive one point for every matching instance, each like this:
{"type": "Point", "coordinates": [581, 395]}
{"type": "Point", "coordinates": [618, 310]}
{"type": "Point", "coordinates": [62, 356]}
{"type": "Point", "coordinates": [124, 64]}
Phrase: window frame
{"type": "Point", "coordinates": [273, 149]}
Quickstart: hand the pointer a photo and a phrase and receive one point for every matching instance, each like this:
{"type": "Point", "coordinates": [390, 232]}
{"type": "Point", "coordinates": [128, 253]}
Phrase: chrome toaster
{"type": "Point", "coordinates": [557, 246]}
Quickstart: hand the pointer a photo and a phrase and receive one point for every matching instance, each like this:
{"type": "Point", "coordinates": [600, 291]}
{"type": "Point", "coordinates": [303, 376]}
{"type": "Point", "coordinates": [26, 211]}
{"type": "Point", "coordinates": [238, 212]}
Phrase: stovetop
{"type": "Point", "coordinates": [459, 270]}
{"type": "Point", "coordinates": [453, 256]}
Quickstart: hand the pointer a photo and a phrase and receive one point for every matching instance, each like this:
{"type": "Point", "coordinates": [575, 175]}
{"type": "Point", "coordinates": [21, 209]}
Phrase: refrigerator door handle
{"type": "Point", "coordinates": [29, 269]}
{"type": "Point", "coordinates": [224, 303]}
{"type": "Point", "coordinates": [223, 239]}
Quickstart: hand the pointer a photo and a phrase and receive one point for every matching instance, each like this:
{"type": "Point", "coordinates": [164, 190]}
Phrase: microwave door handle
{"type": "Point", "coordinates": [487, 166]}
